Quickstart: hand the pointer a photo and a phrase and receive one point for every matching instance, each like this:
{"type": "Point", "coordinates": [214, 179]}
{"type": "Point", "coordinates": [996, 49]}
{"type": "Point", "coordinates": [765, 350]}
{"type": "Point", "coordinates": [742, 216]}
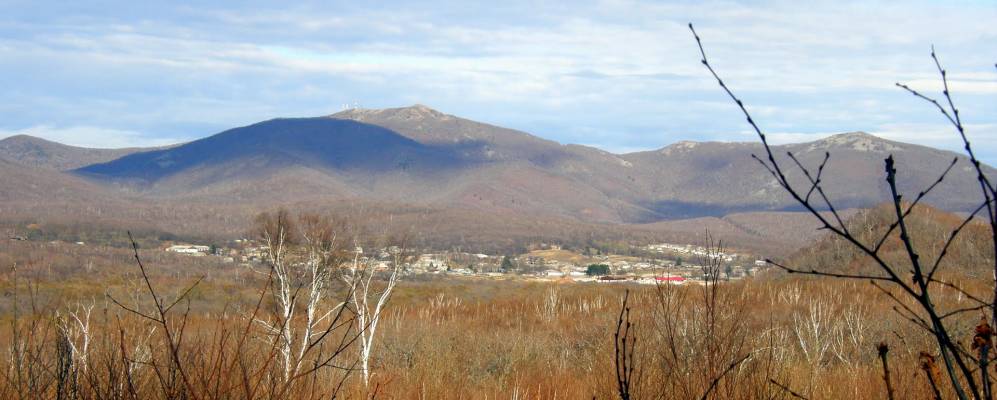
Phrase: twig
{"type": "Point", "coordinates": [716, 380]}
{"type": "Point", "coordinates": [623, 355]}
{"type": "Point", "coordinates": [162, 320]}
{"type": "Point", "coordinates": [883, 349]}
{"type": "Point", "coordinates": [787, 390]}
{"type": "Point", "coordinates": [917, 288]}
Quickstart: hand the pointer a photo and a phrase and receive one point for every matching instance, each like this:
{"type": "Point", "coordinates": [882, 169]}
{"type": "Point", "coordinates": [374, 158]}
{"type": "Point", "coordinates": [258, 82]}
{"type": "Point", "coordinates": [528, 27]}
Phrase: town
{"type": "Point", "coordinates": [653, 264]}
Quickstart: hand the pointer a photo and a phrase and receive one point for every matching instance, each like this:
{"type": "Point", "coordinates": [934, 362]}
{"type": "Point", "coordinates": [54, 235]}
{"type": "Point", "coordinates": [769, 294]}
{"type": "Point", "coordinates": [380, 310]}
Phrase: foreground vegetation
{"type": "Point", "coordinates": [768, 337]}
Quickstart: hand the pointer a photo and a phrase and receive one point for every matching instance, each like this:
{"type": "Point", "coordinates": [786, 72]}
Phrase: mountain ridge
{"type": "Point", "coordinates": [38, 152]}
{"type": "Point", "coordinates": [432, 158]}
{"type": "Point", "coordinates": [417, 158]}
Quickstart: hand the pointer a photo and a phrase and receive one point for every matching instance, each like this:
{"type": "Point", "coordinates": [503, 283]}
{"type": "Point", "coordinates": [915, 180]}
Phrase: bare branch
{"type": "Point", "coordinates": [131, 310]}
{"type": "Point", "coordinates": [713, 383]}
{"type": "Point", "coordinates": [917, 200]}
{"type": "Point", "coordinates": [917, 288]}
{"type": "Point", "coordinates": [829, 274]}
{"type": "Point", "coordinates": [787, 389]}
{"type": "Point", "coordinates": [951, 239]}
{"type": "Point", "coordinates": [184, 294]}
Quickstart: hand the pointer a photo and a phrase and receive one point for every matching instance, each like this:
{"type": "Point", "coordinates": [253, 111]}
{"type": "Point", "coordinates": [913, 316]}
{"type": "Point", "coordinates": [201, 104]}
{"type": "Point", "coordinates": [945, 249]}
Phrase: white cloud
{"type": "Point", "coordinates": [794, 137]}
{"type": "Point", "coordinates": [983, 137]}
{"type": "Point", "coordinates": [576, 67]}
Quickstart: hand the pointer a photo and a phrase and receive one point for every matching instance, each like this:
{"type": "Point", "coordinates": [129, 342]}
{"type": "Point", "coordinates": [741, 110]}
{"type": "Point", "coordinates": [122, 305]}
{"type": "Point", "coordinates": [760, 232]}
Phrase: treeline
{"type": "Point", "coordinates": [99, 234]}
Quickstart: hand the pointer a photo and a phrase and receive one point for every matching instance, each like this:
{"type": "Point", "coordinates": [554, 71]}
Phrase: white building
{"type": "Point", "coordinates": [193, 250]}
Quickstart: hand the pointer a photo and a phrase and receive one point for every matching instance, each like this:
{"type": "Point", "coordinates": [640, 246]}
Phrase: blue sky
{"type": "Point", "coordinates": [619, 75]}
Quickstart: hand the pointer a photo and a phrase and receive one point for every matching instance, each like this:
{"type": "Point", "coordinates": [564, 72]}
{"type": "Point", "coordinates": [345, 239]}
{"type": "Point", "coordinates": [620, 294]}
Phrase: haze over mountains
{"type": "Point", "coordinates": [438, 163]}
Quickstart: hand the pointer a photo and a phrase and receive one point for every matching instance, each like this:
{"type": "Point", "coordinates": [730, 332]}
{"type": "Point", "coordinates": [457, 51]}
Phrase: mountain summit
{"type": "Point", "coordinates": [417, 112]}
{"type": "Point", "coordinates": [476, 140]}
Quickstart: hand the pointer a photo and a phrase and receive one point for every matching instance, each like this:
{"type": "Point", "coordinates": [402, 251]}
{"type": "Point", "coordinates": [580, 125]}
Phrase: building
{"type": "Point", "coordinates": [535, 261]}
{"type": "Point", "coordinates": [674, 280]}
{"type": "Point", "coordinates": [192, 250]}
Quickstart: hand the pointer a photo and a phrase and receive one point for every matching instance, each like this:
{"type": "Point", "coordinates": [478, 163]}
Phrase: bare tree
{"type": "Point", "coordinates": [370, 284]}
{"type": "Point", "coordinates": [814, 331]}
{"type": "Point", "coordinates": [701, 341]}
{"type": "Point", "coordinates": [301, 255]}
{"type": "Point", "coordinates": [849, 335]}
{"type": "Point", "coordinates": [172, 328]}
{"type": "Point", "coordinates": [73, 346]}
{"type": "Point", "coordinates": [916, 277]}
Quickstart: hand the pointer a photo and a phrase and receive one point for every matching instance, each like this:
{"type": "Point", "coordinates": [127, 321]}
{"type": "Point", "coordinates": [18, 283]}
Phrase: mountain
{"type": "Point", "coordinates": [344, 150]}
{"type": "Point", "coordinates": [425, 158]}
{"type": "Point", "coordinates": [453, 180]}
{"type": "Point", "coordinates": [37, 152]}
{"type": "Point", "coordinates": [524, 173]}
{"type": "Point", "coordinates": [718, 178]}
{"type": "Point", "coordinates": [422, 156]}
{"type": "Point", "coordinates": [692, 179]}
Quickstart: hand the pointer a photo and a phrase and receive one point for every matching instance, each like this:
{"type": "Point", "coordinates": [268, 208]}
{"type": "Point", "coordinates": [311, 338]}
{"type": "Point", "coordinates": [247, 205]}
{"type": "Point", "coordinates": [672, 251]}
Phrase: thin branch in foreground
{"type": "Point", "coordinates": [786, 389]}
{"type": "Point", "coordinates": [988, 189]}
{"type": "Point", "coordinates": [815, 272]}
{"type": "Point", "coordinates": [163, 322]}
{"type": "Point", "coordinates": [962, 377]}
{"type": "Point", "coordinates": [713, 384]}
{"type": "Point", "coordinates": [910, 208]}
{"type": "Point", "coordinates": [883, 349]}
{"type": "Point", "coordinates": [951, 239]}
{"type": "Point", "coordinates": [930, 369]}
{"type": "Point", "coordinates": [624, 341]}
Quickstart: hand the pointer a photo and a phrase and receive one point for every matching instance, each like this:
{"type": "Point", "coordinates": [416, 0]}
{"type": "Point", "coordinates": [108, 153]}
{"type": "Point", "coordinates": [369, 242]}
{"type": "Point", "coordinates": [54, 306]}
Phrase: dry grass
{"type": "Point", "coordinates": [451, 339]}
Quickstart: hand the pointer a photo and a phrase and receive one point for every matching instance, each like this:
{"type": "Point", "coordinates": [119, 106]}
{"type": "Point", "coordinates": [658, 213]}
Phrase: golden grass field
{"type": "Point", "coordinates": [774, 336]}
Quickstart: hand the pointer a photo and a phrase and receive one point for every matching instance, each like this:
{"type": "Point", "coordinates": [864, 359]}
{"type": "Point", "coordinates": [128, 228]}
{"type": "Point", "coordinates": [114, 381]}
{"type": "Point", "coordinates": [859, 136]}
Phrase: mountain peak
{"type": "Point", "coordinates": [859, 141]}
{"type": "Point", "coordinates": [414, 112]}
{"type": "Point", "coordinates": [852, 136]}
{"type": "Point", "coordinates": [854, 141]}
{"type": "Point", "coordinates": [421, 108]}
{"type": "Point", "coordinates": [24, 139]}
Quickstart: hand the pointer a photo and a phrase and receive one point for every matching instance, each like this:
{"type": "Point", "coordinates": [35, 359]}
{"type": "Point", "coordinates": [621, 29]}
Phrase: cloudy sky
{"type": "Point", "coordinates": [619, 75]}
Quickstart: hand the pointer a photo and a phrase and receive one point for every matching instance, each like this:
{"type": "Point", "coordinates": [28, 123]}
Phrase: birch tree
{"type": "Point", "coordinates": [301, 255]}
{"type": "Point", "coordinates": [74, 327]}
{"type": "Point", "coordinates": [369, 295]}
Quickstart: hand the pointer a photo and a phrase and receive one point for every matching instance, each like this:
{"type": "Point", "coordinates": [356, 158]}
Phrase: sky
{"type": "Point", "coordinates": [619, 75]}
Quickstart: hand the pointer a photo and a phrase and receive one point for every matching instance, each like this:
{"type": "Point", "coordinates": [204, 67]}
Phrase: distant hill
{"type": "Point", "coordinates": [24, 183]}
{"type": "Point", "coordinates": [348, 153]}
{"type": "Point", "coordinates": [719, 178]}
{"type": "Point", "coordinates": [785, 230]}
{"type": "Point", "coordinates": [971, 254]}
{"type": "Point", "coordinates": [37, 152]}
